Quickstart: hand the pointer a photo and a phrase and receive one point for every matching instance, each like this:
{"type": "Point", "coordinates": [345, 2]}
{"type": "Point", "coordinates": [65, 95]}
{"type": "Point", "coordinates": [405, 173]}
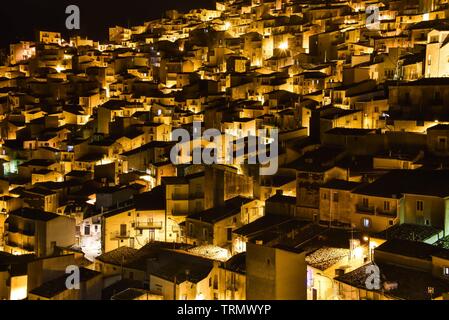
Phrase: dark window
{"type": "Point", "coordinates": [365, 202]}
{"type": "Point", "coordinates": [419, 205]}
{"type": "Point", "coordinates": [335, 197]}
{"type": "Point", "coordinates": [229, 234]}
{"type": "Point", "coordinates": [123, 229]}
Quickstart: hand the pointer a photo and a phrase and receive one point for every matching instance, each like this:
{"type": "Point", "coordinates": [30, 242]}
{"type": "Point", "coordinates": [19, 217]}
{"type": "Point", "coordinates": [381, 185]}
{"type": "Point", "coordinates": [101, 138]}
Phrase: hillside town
{"type": "Point", "coordinates": [351, 98]}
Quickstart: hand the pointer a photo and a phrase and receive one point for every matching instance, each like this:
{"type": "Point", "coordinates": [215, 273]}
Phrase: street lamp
{"type": "Point", "coordinates": [367, 239]}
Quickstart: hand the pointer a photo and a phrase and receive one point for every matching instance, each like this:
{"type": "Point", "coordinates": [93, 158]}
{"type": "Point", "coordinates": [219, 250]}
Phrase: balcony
{"type": "Point", "coordinates": [365, 209]}
{"type": "Point", "coordinates": [196, 195]}
{"type": "Point", "coordinates": [150, 224]}
{"type": "Point", "coordinates": [120, 235]}
{"type": "Point", "coordinates": [15, 229]}
{"type": "Point", "coordinates": [180, 197]}
{"type": "Point", "coordinates": [11, 228]}
{"type": "Point", "coordinates": [390, 213]}
{"type": "Point", "coordinates": [26, 246]}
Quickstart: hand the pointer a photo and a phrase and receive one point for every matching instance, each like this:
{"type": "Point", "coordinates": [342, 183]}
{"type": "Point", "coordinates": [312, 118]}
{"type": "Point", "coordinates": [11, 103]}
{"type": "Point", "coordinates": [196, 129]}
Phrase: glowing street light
{"type": "Point", "coordinates": [283, 45]}
{"type": "Point", "coordinates": [59, 68]}
{"type": "Point", "coordinates": [227, 25]}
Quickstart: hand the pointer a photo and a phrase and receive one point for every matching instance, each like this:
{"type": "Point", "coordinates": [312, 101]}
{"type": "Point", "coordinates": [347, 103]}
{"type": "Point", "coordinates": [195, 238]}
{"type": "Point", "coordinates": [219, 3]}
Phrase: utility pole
{"type": "Point", "coordinates": [174, 287]}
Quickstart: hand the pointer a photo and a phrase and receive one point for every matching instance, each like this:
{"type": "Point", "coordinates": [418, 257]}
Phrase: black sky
{"type": "Point", "coordinates": [19, 19]}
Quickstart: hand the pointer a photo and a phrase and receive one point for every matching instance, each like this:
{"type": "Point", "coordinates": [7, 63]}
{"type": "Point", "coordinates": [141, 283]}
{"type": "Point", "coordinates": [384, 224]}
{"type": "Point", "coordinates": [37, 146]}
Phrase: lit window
{"type": "Point", "coordinates": [366, 222]}
{"type": "Point", "coordinates": [446, 271]}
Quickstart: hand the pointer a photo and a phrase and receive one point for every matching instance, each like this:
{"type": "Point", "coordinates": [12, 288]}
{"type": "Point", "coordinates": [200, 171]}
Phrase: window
{"type": "Point", "coordinates": [442, 143]}
{"type": "Point", "coordinates": [335, 197]}
{"type": "Point", "coordinates": [365, 202]}
{"type": "Point", "coordinates": [324, 196]}
{"type": "Point", "coordinates": [386, 206]}
{"type": "Point", "coordinates": [123, 229]}
{"type": "Point", "coordinates": [446, 271]}
{"type": "Point", "coordinates": [427, 222]}
{"type": "Point", "coordinates": [437, 96]}
{"type": "Point", "coordinates": [366, 222]}
{"type": "Point", "coordinates": [407, 97]}
{"type": "Point", "coordinates": [268, 262]}
{"type": "Point", "coordinates": [419, 205]}
{"type": "Point", "coordinates": [229, 234]}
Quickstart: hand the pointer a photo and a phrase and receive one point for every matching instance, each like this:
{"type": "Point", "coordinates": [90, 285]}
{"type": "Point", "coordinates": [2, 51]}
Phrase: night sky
{"type": "Point", "coordinates": [19, 19]}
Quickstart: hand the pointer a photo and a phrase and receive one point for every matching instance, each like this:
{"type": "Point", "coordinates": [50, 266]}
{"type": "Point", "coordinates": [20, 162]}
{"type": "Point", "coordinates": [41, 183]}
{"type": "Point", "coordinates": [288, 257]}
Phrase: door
{"type": "Point", "coordinates": [123, 230]}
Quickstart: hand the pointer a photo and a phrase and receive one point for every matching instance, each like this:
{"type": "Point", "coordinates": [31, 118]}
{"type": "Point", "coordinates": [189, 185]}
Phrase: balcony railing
{"type": "Point", "coordinates": [15, 229]}
{"type": "Point", "coordinates": [26, 246]}
{"type": "Point", "coordinates": [365, 209]}
{"type": "Point", "coordinates": [147, 225]}
{"type": "Point", "coordinates": [120, 235]}
{"type": "Point", "coordinates": [372, 210]}
{"type": "Point", "coordinates": [179, 197]}
{"type": "Point", "coordinates": [389, 213]}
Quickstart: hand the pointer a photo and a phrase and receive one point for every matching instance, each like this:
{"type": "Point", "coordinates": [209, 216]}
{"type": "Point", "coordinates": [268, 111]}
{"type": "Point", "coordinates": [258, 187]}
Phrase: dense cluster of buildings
{"type": "Point", "coordinates": [362, 112]}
